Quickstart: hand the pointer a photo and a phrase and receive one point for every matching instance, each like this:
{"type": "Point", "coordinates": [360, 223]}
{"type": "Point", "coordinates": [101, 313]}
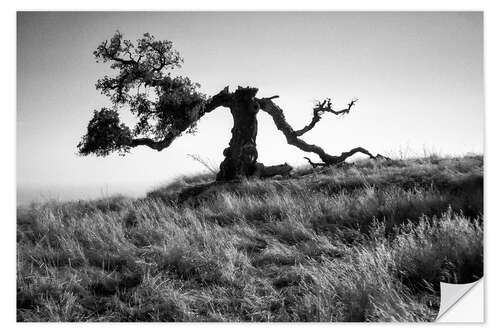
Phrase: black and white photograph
{"type": "Point", "coordinates": [247, 166]}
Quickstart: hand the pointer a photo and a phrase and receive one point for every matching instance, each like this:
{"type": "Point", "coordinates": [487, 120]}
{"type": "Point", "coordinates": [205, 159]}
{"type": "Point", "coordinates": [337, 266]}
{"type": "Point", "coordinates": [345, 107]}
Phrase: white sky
{"type": "Point", "coordinates": [418, 77]}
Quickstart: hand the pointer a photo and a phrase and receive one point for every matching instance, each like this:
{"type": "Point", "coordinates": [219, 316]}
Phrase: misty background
{"type": "Point", "coordinates": [418, 77]}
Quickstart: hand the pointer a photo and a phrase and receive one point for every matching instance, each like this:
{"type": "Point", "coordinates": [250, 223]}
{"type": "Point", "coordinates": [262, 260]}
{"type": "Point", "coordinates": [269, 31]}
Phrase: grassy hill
{"type": "Point", "coordinates": [365, 242]}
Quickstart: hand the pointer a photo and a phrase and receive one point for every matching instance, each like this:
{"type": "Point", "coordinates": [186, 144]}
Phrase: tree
{"type": "Point", "coordinates": [166, 106]}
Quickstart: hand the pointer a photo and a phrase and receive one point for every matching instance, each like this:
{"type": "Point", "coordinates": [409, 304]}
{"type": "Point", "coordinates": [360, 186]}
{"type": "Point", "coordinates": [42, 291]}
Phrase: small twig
{"type": "Point", "coordinates": [198, 159]}
{"type": "Point", "coordinates": [315, 165]}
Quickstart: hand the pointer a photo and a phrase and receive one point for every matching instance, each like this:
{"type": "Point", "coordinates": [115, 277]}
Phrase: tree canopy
{"type": "Point", "coordinates": [164, 105]}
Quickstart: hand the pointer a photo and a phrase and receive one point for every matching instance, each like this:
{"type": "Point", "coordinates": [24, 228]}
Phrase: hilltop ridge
{"type": "Point", "coordinates": [365, 242]}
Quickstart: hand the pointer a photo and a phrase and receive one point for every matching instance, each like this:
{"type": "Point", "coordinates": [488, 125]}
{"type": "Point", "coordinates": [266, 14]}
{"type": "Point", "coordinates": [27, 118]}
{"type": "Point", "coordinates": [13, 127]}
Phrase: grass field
{"type": "Point", "coordinates": [366, 242]}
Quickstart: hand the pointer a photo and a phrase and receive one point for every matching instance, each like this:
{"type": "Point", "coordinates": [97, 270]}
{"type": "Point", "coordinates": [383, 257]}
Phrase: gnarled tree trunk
{"type": "Point", "coordinates": [241, 155]}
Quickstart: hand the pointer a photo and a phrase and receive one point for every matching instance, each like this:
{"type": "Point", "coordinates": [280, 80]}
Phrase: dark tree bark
{"type": "Point", "coordinates": [241, 155]}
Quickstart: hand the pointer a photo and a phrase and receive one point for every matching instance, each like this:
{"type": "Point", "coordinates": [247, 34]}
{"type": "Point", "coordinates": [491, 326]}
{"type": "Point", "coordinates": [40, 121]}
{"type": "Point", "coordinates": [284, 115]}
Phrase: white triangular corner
{"type": "Point", "coordinates": [456, 305]}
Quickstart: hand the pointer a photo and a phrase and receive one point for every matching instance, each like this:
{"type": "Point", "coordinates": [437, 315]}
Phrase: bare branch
{"type": "Point", "coordinates": [319, 109]}
{"type": "Point", "coordinates": [156, 145]}
{"type": "Point", "coordinates": [326, 106]}
{"type": "Point", "coordinates": [313, 164]}
{"type": "Point", "coordinates": [267, 105]}
{"type": "Point", "coordinates": [222, 98]}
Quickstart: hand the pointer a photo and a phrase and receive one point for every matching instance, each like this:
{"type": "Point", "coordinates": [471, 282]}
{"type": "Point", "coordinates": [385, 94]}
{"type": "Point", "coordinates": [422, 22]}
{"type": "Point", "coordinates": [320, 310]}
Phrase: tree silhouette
{"type": "Point", "coordinates": [166, 106]}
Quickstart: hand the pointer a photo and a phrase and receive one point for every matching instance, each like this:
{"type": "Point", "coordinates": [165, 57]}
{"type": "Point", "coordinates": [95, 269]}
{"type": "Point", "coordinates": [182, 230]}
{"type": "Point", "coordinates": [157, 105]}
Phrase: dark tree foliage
{"type": "Point", "coordinates": [166, 106]}
{"type": "Point", "coordinates": [105, 134]}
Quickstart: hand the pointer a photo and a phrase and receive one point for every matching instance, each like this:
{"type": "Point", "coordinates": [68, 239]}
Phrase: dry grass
{"type": "Point", "coordinates": [370, 242]}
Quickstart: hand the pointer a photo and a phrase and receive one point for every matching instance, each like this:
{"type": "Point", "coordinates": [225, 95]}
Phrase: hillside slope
{"type": "Point", "coordinates": [367, 242]}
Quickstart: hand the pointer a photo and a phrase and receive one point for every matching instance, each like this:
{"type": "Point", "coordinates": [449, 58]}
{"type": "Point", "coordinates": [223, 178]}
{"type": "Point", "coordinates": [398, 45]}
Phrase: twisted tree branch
{"type": "Point", "coordinates": [313, 164]}
{"type": "Point", "coordinates": [223, 98]}
{"type": "Point", "coordinates": [319, 109]}
{"type": "Point", "coordinates": [292, 136]}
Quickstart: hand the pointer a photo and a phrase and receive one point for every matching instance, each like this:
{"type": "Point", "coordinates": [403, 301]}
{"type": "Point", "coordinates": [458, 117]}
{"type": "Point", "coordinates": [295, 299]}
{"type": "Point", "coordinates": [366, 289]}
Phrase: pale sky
{"type": "Point", "coordinates": [418, 78]}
